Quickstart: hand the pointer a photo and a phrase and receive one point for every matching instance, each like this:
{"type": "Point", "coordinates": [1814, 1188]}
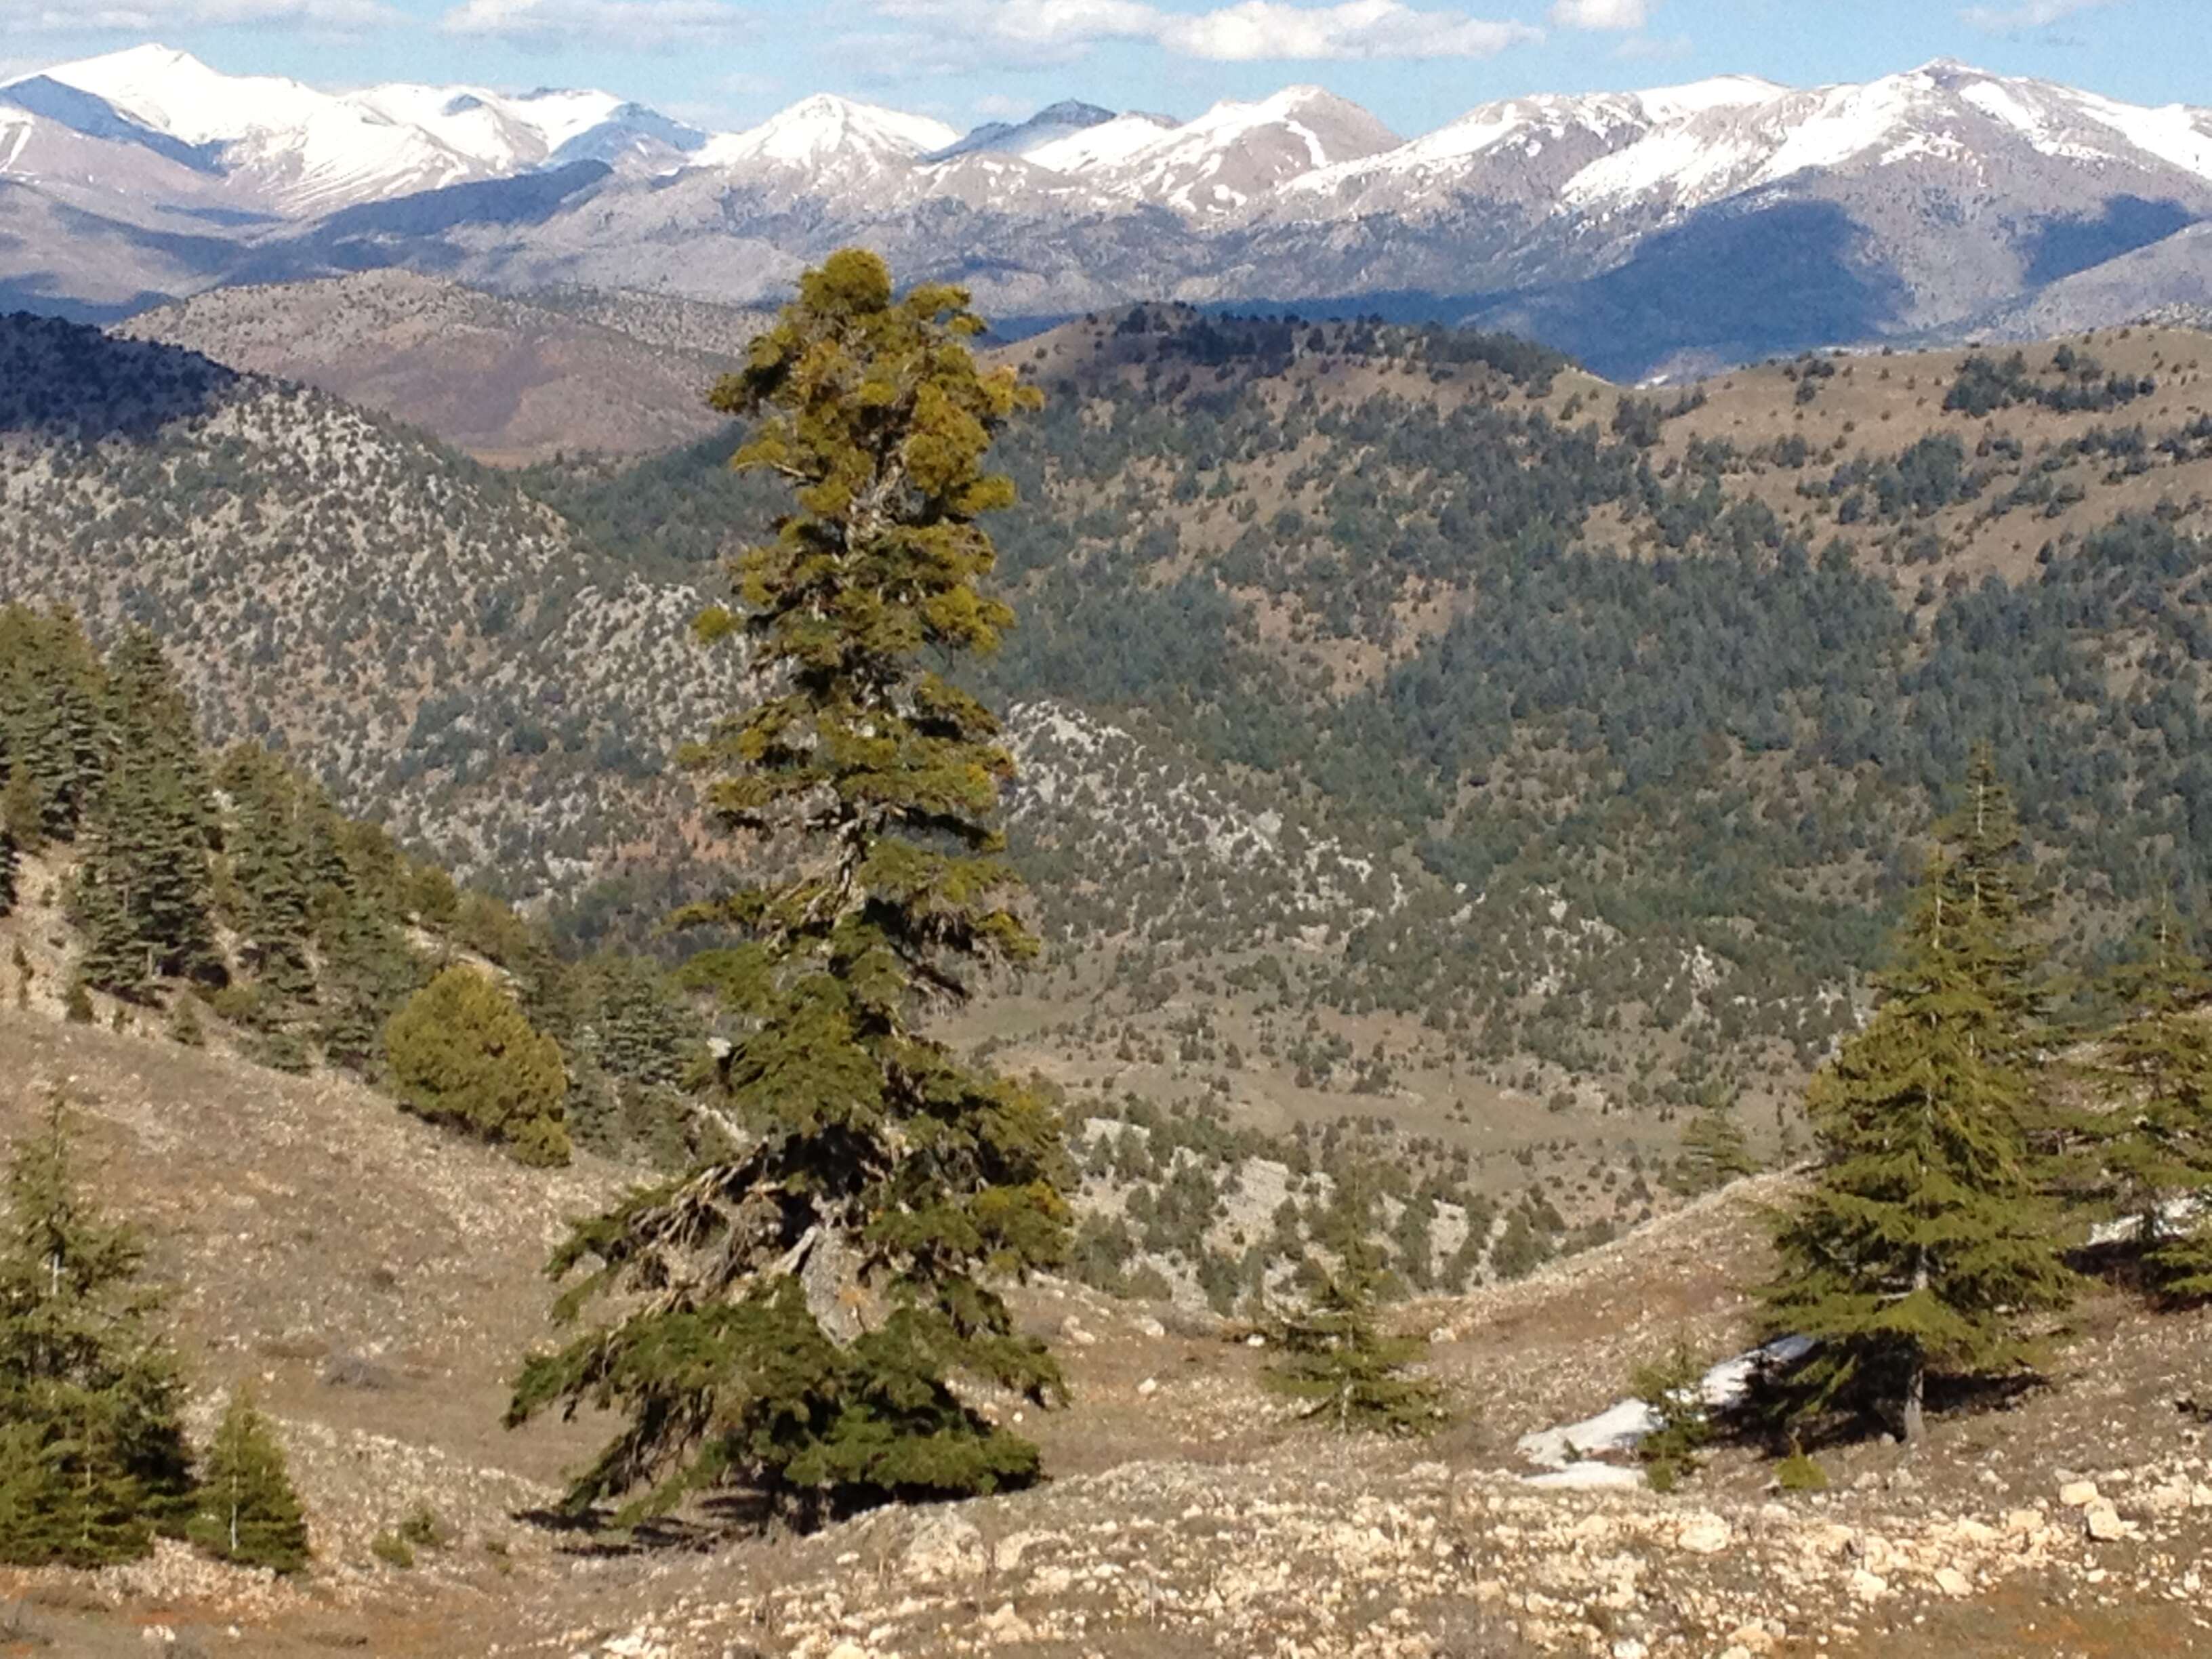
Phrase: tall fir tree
{"type": "Point", "coordinates": [795, 1313]}
{"type": "Point", "coordinates": [272, 869]}
{"type": "Point", "coordinates": [144, 895]}
{"type": "Point", "coordinates": [1994, 880]}
{"type": "Point", "coordinates": [1925, 1242]}
{"type": "Point", "coordinates": [53, 694]}
{"type": "Point", "coordinates": [248, 1512]}
{"type": "Point", "coordinates": [93, 1455]}
{"type": "Point", "coordinates": [2147, 1153]}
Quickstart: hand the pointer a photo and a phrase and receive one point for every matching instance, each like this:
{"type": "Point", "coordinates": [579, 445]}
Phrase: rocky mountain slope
{"type": "Point", "coordinates": [1607, 224]}
{"type": "Point", "coordinates": [1577, 782]}
{"type": "Point", "coordinates": [330, 582]}
{"type": "Point", "coordinates": [1187, 1515]}
{"type": "Point", "coordinates": [504, 379]}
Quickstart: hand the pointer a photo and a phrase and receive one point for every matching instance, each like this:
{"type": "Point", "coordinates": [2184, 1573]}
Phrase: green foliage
{"type": "Point", "coordinates": [425, 1529]}
{"type": "Point", "coordinates": [1925, 1243]}
{"type": "Point", "coordinates": [797, 1310]}
{"type": "Point", "coordinates": [142, 895]}
{"type": "Point", "coordinates": [2148, 1153]}
{"type": "Point", "coordinates": [92, 1457]}
{"type": "Point", "coordinates": [462, 1054]}
{"type": "Point", "coordinates": [1800, 1471]}
{"type": "Point", "coordinates": [51, 722]}
{"type": "Point", "coordinates": [1672, 1387]}
{"type": "Point", "coordinates": [392, 1550]}
{"type": "Point", "coordinates": [1340, 1365]}
{"type": "Point", "coordinates": [248, 1513]}
{"type": "Point", "coordinates": [1713, 1153]}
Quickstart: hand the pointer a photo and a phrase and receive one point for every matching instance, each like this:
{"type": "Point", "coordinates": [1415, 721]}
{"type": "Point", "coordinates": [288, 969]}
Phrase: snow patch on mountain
{"type": "Point", "coordinates": [830, 136]}
{"type": "Point", "coordinates": [1237, 153]}
{"type": "Point", "coordinates": [1103, 145]}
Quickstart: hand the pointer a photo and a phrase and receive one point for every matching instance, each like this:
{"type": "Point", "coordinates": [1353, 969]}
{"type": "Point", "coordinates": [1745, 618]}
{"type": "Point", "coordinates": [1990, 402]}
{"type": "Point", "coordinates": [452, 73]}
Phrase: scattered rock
{"type": "Point", "coordinates": [1704, 1535]}
{"type": "Point", "coordinates": [2102, 1522]}
{"type": "Point", "coordinates": [945, 1545]}
{"type": "Point", "coordinates": [2078, 1494]}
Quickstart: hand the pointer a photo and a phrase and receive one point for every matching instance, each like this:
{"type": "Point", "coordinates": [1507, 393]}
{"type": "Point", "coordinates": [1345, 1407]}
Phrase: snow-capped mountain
{"type": "Point", "coordinates": [1675, 149]}
{"type": "Point", "coordinates": [287, 149]}
{"type": "Point", "coordinates": [1669, 226]}
{"type": "Point", "coordinates": [1095, 148]}
{"type": "Point", "coordinates": [829, 142]}
{"type": "Point", "coordinates": [1236, 153]}
{"type": "Point", "coordinates": [1049, 125]}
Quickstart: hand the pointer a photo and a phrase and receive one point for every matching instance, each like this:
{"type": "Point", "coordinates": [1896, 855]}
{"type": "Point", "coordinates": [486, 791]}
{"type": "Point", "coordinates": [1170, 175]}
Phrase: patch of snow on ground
{"type": "Point", "coordinates": [1619, 1428]}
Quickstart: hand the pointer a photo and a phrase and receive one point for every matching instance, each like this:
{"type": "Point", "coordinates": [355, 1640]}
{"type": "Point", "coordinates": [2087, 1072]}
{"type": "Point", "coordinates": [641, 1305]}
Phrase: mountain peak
{"type": "Point", "coordinates": [1052, 123]}
{"type": "Point", "coordinates": [826, 128]}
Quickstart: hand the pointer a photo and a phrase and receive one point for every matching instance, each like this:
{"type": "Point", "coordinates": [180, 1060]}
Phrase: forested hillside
{"type": "Point", "coordinates": [456, 660]}
{"type": "Point", "coordinates": [1412, 723]}
{"type": "Point", "coordinates": [1515, 716]}
{"type": "Point", "coordinates": [221, 901]}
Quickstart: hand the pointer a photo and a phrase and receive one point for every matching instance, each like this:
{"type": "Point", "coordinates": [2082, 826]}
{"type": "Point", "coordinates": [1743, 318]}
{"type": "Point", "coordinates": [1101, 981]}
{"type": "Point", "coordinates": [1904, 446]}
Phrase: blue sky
{"type": "Point", "coordinates": [1415, 63]}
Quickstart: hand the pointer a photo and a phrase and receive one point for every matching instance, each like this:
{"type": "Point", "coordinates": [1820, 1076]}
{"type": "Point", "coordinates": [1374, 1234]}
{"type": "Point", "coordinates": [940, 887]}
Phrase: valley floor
{"type": "Point", "coordinates": [376, 1281]}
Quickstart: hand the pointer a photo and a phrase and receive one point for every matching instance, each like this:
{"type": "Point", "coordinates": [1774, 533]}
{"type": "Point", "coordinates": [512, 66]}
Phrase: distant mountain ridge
{"type": "Point", "coordinates": [1647, 231]}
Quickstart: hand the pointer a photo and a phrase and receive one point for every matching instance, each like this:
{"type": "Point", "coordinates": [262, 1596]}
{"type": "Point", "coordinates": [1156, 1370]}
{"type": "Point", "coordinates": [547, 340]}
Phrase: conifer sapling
{"type": "Point", "coordinates": [248, 1513]}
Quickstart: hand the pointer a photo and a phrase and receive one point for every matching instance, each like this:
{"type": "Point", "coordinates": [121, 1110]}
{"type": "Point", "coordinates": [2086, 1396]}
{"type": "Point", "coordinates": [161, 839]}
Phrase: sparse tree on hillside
{"type": "Point", "coordinates": [461, 1053]}
{"type": "Point", "coordinates": [1337, 1360]}
{"type": "Point", "coordinates": [1922, 1244]}
{"type": "Point", "coordinates": [92, 1457]}
{"type": "Point", "coordinates": [795, 1315]}
{"type": "Point", "coordinates": [1714, 1152]}
{"type": "Point", "coordinates": [248, 1512]}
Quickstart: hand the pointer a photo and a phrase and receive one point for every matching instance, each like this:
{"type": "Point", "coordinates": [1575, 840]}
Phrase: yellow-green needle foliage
{"type": "Point", "coordinates": [462, 1053]}
{"type": "Point", "coordinates": [794, 1314]}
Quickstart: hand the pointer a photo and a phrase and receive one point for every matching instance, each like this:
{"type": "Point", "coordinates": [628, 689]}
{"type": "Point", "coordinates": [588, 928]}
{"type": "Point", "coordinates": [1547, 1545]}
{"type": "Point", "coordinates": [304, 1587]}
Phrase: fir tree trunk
{"type": "Point", "coordinates": [1915, 1377]}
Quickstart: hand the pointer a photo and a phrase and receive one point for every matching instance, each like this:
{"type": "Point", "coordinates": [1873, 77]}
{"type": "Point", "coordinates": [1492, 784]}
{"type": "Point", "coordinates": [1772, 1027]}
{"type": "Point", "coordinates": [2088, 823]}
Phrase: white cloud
{"type": "Point", "coordinates": [1249, 31]}
{"type": "Point", "coordinates": [1600, 14]}
{"type": "Point", "coordinates": [651, 24]}
{"type": "Point", "coordinates": [2030, 14]}
{"type": "Point", "coordinates": [159, 16]}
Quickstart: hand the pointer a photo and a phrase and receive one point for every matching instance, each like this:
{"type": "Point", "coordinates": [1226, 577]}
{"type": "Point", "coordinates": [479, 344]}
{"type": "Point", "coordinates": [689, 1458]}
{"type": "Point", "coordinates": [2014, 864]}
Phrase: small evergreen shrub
{"type": "Point", "coordinates": [1673, 1386]}
{"type": "Point", "coordinates": [248, 1512]}
{"type": "Point", "coordinates": [392, 1550]}
{"type": "Point", "coordinates": [1801, 1473]}
{"type": "Point", "coordinates": [1339, 1364]}
{"type": "Point", "coordinates": [462, 1053]}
